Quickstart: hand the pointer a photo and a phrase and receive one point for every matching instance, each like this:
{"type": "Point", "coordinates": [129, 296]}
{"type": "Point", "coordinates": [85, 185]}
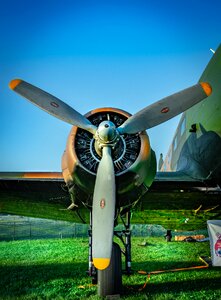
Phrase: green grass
{"type": "Point", "coordinates": [55, 269]}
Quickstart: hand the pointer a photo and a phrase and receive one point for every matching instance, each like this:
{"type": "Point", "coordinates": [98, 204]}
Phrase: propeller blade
{"type": "Point", "coordinates": [165, 109]}
{"type": "Point", "coordinates": [103, 211]}
{"type": "Point", "coordinates": [51, 104]}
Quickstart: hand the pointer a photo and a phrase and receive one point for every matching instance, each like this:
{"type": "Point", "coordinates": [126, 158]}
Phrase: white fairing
{"type": "Point", "coordinates": [214, 229]}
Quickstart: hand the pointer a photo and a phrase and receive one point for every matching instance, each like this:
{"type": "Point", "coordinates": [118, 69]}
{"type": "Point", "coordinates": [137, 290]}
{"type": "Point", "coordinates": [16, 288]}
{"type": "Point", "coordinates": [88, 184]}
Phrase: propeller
{"type": "Point", "coordinates": [107, 137]}
{"type": "Point", "coordinates": [51, 104]}
{"type": "Point", "coordinates": [103, 211]}
{"type": "Point", "coordinates": [165, 109]}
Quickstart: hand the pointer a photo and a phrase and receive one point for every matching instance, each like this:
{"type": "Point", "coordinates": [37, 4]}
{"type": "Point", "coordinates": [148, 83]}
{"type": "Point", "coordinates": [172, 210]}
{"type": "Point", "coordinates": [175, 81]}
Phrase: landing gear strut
{"type": "Point", "coordinates": [92, 271]}
{"type": "Point", "coordinates": [125, 237]}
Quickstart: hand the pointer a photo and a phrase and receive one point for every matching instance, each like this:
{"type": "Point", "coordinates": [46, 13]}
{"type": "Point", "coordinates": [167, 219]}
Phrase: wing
{"type": "Point", "coordinates": [176, 201]}
{"type": "Point", "coordinates": [36, 194]}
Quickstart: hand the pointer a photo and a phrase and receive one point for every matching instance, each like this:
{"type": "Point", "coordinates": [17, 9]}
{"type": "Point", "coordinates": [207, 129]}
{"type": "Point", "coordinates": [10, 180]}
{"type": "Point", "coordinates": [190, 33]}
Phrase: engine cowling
{"type": "Point", "coordinates": [134, 161]}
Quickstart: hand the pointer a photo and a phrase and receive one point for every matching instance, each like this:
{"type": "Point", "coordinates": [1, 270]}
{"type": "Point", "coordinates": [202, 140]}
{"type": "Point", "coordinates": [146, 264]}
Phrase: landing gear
{"type": "Point", "coordinates": [110, 280]}
{"type": "Point", "coordinates": [92, 271]}
{"type": "Point", "coordinates": [125, 237]}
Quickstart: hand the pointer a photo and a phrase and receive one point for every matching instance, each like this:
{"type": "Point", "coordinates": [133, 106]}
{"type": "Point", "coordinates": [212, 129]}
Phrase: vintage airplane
{"type": "Point", "coordinates": [109, 170]}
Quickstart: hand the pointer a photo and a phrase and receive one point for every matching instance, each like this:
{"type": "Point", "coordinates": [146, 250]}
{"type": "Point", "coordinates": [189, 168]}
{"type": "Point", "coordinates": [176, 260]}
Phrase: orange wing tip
{"type": "Point", "coordinates": [206, 87]}
{"type": "Point", "coordinates": [101, 263]}
{"type": "Point", "coordinates": [14, 83]}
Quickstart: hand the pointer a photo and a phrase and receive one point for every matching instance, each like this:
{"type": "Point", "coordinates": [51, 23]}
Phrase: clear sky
{"type": "Point", "coordinates": [90, 54]}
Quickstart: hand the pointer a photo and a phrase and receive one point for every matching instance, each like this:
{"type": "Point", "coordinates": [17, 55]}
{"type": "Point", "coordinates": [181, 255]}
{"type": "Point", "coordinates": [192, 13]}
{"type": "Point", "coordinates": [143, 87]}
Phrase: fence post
{"type": "Point", "coordinates": [14, 231]}
{"type": "Point", "coordinates": [30, 228]}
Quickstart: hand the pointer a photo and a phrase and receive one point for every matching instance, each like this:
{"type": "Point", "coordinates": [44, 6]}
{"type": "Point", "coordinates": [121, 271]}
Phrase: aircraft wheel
{"type": "Point", "coordinates": [110, 279]}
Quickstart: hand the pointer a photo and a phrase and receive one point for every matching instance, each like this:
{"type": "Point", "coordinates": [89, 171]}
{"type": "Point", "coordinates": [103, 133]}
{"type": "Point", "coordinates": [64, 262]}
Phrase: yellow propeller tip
{"type": "Point", "coordinates": [14, 83]}
{"type": "Point", "coordinates": [206, 87]}
{"type": "Point", "coordinates": [101, 263]}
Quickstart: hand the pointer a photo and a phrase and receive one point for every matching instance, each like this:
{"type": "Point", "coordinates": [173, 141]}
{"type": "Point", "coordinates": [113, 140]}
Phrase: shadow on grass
{"type": "Point", "coordinates": [182, 281]}
{"type": "Point", "coordinates": [22, 280]}
{"type": "Point", "coordinates": [64, 279]}
{"type": "Point", "coordinates": [191, 285]}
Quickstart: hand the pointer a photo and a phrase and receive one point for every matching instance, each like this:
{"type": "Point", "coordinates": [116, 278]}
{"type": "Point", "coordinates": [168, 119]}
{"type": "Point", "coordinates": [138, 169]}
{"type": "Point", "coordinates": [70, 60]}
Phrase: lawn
{"type": "Point", "coordinates": [56, 269]}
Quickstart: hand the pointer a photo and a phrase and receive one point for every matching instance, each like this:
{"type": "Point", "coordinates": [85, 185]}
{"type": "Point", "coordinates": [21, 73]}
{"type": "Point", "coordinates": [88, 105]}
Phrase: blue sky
{"type": "Point", "coordinates": [90, 54]}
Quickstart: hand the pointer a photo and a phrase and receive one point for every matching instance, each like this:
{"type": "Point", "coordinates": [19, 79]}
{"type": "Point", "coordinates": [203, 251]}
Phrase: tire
{"type": "Point", "coordinates": [110, 279]}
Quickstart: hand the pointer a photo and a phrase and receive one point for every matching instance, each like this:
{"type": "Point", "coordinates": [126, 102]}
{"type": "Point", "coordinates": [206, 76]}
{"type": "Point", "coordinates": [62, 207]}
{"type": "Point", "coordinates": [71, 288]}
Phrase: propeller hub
{"type": "Point", "coordinates": [106, 135]}
{"type": "Point", "coordinates": [106, 131]}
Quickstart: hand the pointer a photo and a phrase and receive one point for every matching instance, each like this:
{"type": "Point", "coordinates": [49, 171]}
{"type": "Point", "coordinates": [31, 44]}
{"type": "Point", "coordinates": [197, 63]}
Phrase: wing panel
{"type": "Point", "coordinates": [176, 201]}
{"type": "Point", "coordinates": [37, 194]}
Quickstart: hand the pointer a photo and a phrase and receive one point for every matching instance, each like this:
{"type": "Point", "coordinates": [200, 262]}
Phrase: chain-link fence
{"type": "Point", "coordinates": [18, 227]}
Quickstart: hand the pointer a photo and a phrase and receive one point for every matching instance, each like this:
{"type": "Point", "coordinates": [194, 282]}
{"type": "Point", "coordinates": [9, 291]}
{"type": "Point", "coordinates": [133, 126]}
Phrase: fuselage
{"type": "Point", "coordinates": [196, 146]}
